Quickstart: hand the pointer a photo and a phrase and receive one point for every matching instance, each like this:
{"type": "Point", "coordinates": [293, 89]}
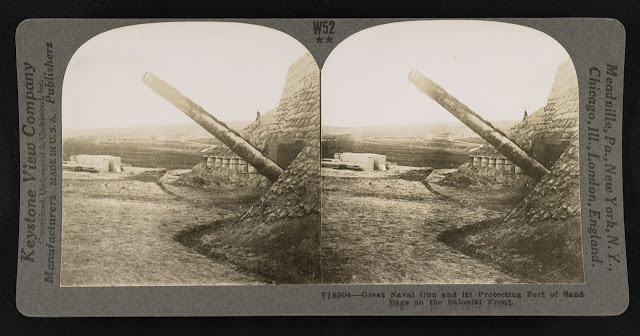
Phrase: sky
{"type": "Point", "coordinates": [496, 69]}
{"type": "Point", "coordinates": [229, 69]}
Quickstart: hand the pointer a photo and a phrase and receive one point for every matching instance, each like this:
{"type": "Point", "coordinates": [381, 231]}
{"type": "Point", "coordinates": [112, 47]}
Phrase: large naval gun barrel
{"type": "Point", "coordinates": [234, 141]}
{"type": "Point", "coordinates": [499, 140]}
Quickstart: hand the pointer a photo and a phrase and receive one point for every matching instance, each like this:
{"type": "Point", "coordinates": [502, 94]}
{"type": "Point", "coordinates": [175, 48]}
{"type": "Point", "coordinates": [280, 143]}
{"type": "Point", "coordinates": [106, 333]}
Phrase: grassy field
{"type": "Point", "coordinates": [406, 151]}
{"type": "Point", "coordinates": [149, 153]}
{"type": "Point", "coordinates": [177, 154]}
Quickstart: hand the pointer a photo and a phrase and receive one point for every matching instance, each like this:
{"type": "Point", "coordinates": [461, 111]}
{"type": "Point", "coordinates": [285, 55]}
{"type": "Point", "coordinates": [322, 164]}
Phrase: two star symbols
{"type": "Point", "coordinates": [329, 39]}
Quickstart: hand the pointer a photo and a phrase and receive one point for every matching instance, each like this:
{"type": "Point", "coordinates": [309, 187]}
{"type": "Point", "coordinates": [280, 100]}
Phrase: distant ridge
{"type": "Point", "coordinates": [191, 130]}
{"type": "Point", "coordinates": [450, 129]}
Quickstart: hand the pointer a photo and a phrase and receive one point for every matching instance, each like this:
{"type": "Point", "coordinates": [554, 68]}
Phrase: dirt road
{"type": "Point", "coordinates": [381, 229]}
{"type": "Point", "coordinates": [117, 231]}
{"type": "Point", "coordinates": [206, 145]}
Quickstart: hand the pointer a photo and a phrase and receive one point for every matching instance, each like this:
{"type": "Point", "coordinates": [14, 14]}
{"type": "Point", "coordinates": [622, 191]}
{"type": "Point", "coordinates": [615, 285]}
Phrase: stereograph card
{"type": "Point", "coordinates": [321, 167]}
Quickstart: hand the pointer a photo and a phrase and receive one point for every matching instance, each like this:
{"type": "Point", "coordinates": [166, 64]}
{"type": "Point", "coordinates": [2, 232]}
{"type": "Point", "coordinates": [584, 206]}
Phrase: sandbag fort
{"type": "Point", "coordinates": [279, 237]}
{"type": "Point", "coordinates": [540, 237]}
{"type": "Point", "coordinates": [513, 206]}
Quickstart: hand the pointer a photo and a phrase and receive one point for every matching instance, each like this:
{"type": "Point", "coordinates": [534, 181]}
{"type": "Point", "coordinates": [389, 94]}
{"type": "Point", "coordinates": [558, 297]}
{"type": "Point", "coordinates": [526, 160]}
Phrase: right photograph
{"type": "Point", "coordinates": [450, 156]}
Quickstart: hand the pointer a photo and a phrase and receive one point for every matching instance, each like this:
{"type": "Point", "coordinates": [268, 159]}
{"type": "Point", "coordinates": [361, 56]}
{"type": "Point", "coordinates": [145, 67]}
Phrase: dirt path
{"type": "Point", "coordinates": [208, 146]}
{"type": "Point", "coordinates": [384, 230]}
{"type": "Point", "coordinates": [119, 232]}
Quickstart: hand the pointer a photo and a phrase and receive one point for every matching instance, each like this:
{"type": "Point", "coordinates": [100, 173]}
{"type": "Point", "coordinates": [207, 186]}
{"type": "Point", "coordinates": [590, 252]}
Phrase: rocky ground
{"type": "Point", "coordinates": [118, 230]}
{"type": "Point", "coordinates": [542, 235]}
{"type": "Point", "coordinates": [133, 229]}
{"type": "Point", "coordinates": [279, 237]}
{"type": "Point", "coordinates": [384, 228]}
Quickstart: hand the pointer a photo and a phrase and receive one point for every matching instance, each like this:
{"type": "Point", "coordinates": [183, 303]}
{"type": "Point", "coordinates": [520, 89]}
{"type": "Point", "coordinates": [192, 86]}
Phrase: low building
{"type": "Point", "coordinates": [366, 161]}
{"type": "Point", "coordinates": [102, 163]}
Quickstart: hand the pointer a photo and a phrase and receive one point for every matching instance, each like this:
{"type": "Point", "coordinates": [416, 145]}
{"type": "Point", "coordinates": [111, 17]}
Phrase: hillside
{"type": "Point", "coordinates": [455, 130]}
{"type": "Point", "coordinates": [279, 237]}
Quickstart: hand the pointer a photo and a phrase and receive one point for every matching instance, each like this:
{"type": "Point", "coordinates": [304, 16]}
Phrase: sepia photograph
{"type": "Point", "coordinates": [450, 156]}
{"type": "Point", "coordinates": [321, 167]}
{"type": "Point", "coordinates": [195, 154]}
{"type": "Point", "coordinates": [191, 158]}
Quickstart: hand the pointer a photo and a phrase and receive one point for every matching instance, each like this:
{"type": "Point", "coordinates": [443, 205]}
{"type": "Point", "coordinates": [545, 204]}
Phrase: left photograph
{"type": "Point", "coordinates": [191, 157]}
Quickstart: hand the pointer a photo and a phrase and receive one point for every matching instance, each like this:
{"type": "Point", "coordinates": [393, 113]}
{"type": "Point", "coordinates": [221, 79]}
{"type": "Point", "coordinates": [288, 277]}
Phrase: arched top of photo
{"type": "Point", "coordinates": [196, 133]}
{"type": "Point", "coordinates": [497, 69]}
{"type": "Point", "coordinates": [230, 69]}
{"type": "Point", "coordinates": [459, 136]}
